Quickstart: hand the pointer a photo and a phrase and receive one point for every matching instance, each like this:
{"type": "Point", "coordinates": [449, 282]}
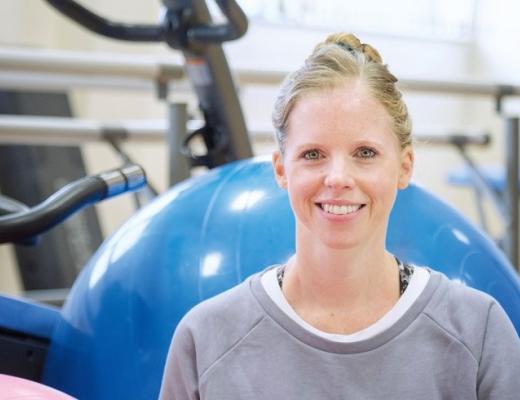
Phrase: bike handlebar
{"type": "Point", "coordinates": [233, 29]}
{"type": "Point", "coordinates": [187, 26]}
{"type": "Point", "coordinates": [69, 199]}
{"type": "Point", "coordinates": [11, 206]}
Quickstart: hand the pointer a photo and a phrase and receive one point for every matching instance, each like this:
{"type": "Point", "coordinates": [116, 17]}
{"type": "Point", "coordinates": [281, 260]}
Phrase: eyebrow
{"type": "Point", "coordinates": [370, 142]}
{"type": "Point", "coordinates": [306, 146]}
{"type": "Point", "coordinates": [360, 142]}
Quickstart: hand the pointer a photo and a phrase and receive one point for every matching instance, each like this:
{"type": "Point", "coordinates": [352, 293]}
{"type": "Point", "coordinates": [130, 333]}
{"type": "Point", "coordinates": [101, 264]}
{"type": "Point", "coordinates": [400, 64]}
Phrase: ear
{"type": "Point", "coordinates": [279, 169]}
{"type": "Point", "coordinates": [406, 170]}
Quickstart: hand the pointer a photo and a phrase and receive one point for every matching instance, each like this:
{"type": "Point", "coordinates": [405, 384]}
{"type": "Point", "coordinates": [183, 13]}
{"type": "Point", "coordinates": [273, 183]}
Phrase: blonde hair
{"type": "Point", "coordinates": [341, 58]}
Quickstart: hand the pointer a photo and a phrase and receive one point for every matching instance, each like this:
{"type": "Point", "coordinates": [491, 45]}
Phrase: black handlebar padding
{"type": "Point", "coordinates": [10, 206]}
{"type": "Point", "coordinates": [105, 27]}
{"type": "Point", "coordinates": [56, 208]}
{"type": "Point", "coordinates": [235, 28]}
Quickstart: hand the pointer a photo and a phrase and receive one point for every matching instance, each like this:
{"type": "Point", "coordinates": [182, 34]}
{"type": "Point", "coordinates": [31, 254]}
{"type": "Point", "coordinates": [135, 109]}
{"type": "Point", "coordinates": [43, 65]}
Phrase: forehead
{"type": "Point", "coordinates": [345, 112]}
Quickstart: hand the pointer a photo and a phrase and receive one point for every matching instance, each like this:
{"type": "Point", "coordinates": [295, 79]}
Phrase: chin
{"type": "Point", "coordinates": [340, 243]}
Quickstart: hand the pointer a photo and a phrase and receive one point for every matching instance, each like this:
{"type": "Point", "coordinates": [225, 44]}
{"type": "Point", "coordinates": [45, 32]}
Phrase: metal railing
{"type": "Point", "coordinates": [60, 69]}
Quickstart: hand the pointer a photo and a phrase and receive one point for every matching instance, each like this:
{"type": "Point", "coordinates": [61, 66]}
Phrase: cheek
{"type": "Point", "coordinates": [302, 187]}
{"type": "Point", "coordinates": [299, 188]}
{"type": "Point", "coordinates": [382, 186]}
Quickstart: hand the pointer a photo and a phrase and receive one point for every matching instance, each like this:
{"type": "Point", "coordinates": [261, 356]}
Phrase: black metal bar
{"type": "Point", "coordinates": [210, 75]}
{"type": "Point", "coordinates": [511, 195]}
{"type": "Point", "coordinates": [187, 25]}
{"type": "Point", "coordinates": [105, 27]}
{"type": "Point", "coordinates": [10, 206]}
{"type": "Point", "coordinates": [16, 227]}
{"type": "Point", "coordinates": [114, 138]}
{"type": "Point", "coordinates": [69, 199]}
{"type": "Point", "coordinates": [234, 29]}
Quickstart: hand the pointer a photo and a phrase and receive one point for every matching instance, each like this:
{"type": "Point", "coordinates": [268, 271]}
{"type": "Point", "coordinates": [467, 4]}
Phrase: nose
{"type": "Point", "coordinates": [339, 174]}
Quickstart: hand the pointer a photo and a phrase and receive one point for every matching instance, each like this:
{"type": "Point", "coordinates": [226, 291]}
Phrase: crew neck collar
{"type": "Point", "coordinates": [300, 333]}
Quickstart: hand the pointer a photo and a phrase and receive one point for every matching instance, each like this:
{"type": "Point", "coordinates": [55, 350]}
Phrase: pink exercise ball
{"type": "Point", "coordinates": [13, 388]}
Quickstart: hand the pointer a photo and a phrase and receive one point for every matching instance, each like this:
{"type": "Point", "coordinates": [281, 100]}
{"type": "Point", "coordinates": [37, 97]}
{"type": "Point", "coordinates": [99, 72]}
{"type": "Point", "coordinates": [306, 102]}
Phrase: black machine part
{"type": "Point", "coordinates": [31, 173]}
{"type": "Point", "coordinates": [203, 33]}
{"type": "Point", "coordinates": [22, 355]}
{"type": "Point", "coordinates": [11, 206]}
{"type": "Point", "coordinates": [66, 201]}
{"type": "Point", "coordinates": [187, 26]}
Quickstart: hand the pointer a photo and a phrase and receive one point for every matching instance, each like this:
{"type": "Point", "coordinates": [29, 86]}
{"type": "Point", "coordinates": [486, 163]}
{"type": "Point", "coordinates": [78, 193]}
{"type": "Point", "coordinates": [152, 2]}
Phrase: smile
{"type": "Point", "coordinates": [340, 209]}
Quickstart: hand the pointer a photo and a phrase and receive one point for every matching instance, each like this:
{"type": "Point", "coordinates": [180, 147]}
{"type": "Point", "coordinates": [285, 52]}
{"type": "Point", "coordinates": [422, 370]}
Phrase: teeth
{"type": "Point", "coordinates": [340, 210]}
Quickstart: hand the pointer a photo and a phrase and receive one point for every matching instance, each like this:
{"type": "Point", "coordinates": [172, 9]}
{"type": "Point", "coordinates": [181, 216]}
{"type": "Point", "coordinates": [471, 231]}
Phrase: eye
{"type": "Point", "coordinates": [366, 152]}
{"type": "Point", "coordinates": [312, 155]}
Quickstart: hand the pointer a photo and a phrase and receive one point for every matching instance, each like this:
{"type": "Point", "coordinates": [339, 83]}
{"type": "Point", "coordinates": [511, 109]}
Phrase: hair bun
{"type": "Point", "coordinates": [351, 42]}
{"type": "Point", "coordinates": [371, 53]}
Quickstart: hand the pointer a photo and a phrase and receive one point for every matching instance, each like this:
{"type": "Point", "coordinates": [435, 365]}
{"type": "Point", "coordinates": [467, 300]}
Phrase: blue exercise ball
{"type": "Point", "coordinates": [206, 235]}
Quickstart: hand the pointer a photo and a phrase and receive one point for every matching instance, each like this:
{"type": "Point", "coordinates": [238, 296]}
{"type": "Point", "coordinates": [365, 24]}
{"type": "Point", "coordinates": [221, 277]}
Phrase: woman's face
{"type": "Point", "coordinates": [342, 167]}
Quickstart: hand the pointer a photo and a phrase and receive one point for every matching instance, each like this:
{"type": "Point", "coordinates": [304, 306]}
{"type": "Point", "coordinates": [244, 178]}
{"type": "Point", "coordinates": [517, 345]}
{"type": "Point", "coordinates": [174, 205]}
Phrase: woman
{"type": "Point", "coordinates": [343, 318]}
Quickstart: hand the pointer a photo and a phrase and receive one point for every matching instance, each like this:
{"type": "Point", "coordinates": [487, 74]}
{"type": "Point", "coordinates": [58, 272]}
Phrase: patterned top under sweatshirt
{"type": "Point", "coordinates": [452, 342]}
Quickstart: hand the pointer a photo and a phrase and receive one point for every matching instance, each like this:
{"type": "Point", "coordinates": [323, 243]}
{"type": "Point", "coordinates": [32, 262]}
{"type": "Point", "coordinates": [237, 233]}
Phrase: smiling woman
{"type": "Point", "coordinates": [341, 155]}
{"type": "Point", "coordinates": [344, 318]}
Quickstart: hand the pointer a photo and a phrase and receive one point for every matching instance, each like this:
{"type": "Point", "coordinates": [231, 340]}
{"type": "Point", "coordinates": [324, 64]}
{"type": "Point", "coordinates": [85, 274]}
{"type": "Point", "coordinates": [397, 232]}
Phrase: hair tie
{"type": "Point", "coordinates": [346, 47]}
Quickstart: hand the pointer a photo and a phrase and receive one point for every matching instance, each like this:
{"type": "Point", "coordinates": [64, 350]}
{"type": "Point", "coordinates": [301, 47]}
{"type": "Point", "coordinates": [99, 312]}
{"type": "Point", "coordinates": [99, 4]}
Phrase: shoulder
{"type": "Point", "coordinates": [236, 303]}
{"type": "Point", "coordinates": [458, 294]}
{"type": "Point", "coordinates": [453, 302]}
{"type": "Point", "coordinates": [462, 312]}
{"type": "Point", "coordinates": [215, 325]}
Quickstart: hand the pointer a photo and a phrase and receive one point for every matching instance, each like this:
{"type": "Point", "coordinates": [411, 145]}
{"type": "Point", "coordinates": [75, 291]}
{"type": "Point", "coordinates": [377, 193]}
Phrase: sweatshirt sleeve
{"type": "Point", "coordinates": [499, 367]}
{"type": "Point", "coordinates": [180, 379]}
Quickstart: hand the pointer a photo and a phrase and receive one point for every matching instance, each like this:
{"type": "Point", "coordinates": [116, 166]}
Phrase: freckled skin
{"type": "Point", "coordinates": [340, 147]}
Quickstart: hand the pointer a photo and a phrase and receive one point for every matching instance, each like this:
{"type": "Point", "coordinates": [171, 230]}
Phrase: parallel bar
{"type": "Point", "coordinates": [58, 68]}
{"type": "Point", "coordinates": [465, 88]}
{"type": "Point", "coordinates": [133, 66]}
{"type": "Point", "coordinates": [68, 131]}
{"type": "Point", "coordinates": [63, 131]}
{"type": "Point", "coordinates": [455, 139]}
{"type": "Point", "coordinates": [43, 69]}
{"type": "Point", "coordinates": [50, 82]}
{"type": "Point", "coordinates": [511, 195]}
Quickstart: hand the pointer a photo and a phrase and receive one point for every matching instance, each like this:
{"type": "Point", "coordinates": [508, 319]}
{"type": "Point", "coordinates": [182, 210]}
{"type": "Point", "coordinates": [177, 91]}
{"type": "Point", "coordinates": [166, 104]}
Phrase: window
{"type": "Point", "coordinates": [433, 19]}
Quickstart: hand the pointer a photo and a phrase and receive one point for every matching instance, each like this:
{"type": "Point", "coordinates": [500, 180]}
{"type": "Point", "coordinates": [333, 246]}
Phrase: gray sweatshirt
{"type": "Point", "coordinates": [453, 343]}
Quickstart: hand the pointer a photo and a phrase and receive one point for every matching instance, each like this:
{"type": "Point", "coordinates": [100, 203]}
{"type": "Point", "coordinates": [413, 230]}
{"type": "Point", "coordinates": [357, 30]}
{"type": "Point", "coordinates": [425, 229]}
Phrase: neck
{"type": "Point", "coordinates": [360, 280]}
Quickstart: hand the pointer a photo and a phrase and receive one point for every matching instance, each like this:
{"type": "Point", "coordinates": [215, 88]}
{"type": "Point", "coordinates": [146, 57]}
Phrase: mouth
{"type": "Point", "coordinates": [343, 209]}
